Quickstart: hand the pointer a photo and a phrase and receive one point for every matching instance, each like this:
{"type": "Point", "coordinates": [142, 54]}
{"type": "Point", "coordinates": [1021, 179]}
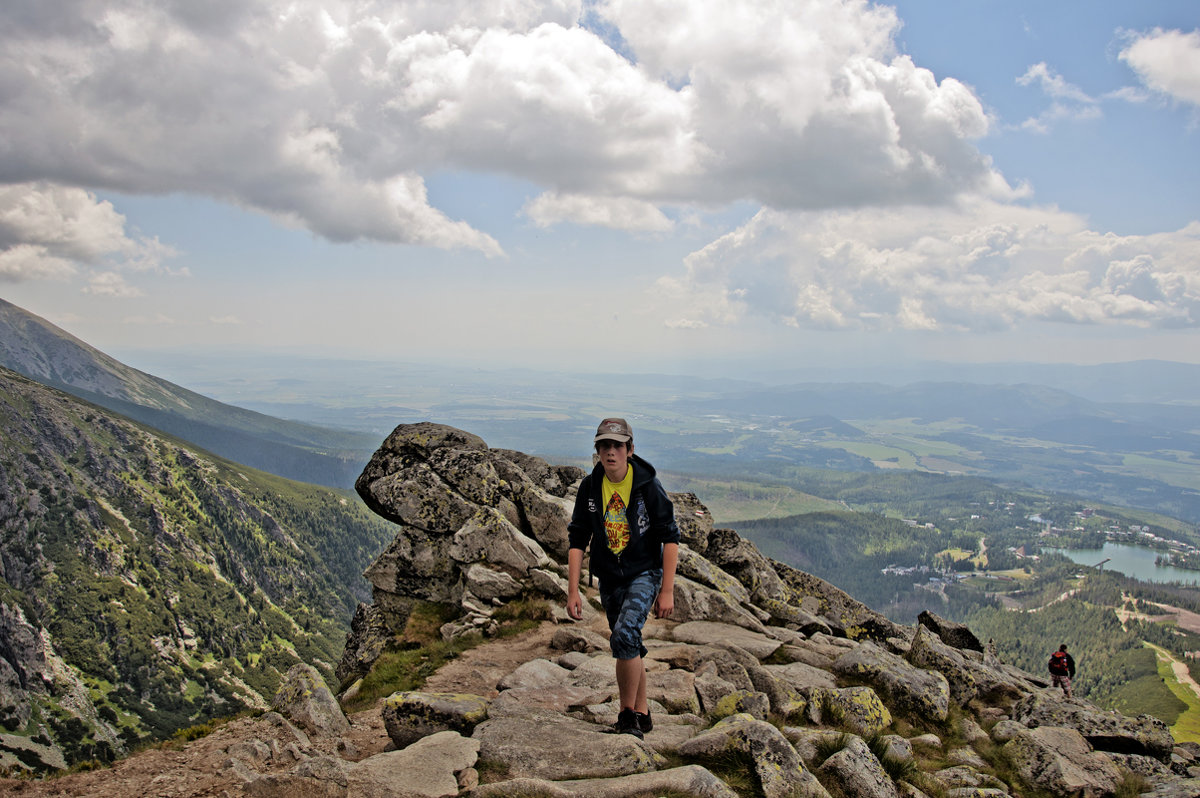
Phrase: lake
{"type": "Point", "coordinates": [1133, 561]}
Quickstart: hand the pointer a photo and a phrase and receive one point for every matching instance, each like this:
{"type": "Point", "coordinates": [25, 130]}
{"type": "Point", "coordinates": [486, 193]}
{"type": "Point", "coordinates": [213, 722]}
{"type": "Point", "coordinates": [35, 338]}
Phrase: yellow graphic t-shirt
{"type": "Point", "coordinates": [616, 500]}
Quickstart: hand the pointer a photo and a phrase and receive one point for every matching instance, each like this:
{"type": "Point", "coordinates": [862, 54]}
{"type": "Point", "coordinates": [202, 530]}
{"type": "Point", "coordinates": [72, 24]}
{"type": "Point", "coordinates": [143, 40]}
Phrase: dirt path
{"type": "Point", "coordinates": [477, 670]}
{"type": "Point", "coordinates": [1183, 676]}
{"type": "Point", "coordinates": [1063, 597]}
{"type": "Point", "coordinates": [1179, 669]}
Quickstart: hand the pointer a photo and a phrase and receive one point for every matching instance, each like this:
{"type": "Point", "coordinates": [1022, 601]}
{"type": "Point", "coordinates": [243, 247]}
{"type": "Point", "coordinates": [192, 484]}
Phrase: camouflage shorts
{"type": "Point", "coordinates": [627, 606]}
{"type": "Point", "coordinates": [1059, 680]}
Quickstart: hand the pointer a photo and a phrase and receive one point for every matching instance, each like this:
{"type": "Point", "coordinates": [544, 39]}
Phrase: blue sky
{"type": "Point", "coordinates": [661, 184]}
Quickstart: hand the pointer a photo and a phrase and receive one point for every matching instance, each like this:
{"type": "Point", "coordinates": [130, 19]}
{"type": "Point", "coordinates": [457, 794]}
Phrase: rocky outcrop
{"type": "Point", "coordinates": [916, 690]}
{"type": "Point", "coordinates": [1061, 761]}
{"type": "Point", "coordinates": [953, 634]}
{"type": "Point", "coordinates": [304, 697]}
{"type": "Point", "coordinates": [1105, 730]}
{"type": "Point", "coordinates": [968, 675]}
{"type": "Point", "coordinates": [764, 669]}
{"type": "Point", "coordinates": [474, 526]}
{"type": "Point", "coordinates": [477, 526]}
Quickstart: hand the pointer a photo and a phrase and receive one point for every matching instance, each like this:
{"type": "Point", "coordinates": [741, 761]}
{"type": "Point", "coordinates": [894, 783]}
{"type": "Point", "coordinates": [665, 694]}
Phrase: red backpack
{"type": "Point", "coordinates": [1058, 663]}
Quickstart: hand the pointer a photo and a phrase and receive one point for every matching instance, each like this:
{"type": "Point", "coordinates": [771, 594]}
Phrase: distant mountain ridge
{"type": "Point", "coordinates": [34, 347]}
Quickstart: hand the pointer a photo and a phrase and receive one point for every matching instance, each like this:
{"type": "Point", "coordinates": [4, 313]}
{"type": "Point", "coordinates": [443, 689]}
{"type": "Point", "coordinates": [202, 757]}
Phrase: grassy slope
{"type": "Point", "coordinates": [170, 578]}
{"type": "Point", "coordinates": [1186, 727]}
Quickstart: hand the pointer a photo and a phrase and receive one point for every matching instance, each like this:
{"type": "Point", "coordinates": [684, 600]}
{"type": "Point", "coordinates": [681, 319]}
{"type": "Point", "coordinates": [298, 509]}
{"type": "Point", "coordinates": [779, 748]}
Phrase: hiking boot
{"type": "Point", "coordinates": [645, 723]}
{"type": "Point", "coordinates": [627, 723]}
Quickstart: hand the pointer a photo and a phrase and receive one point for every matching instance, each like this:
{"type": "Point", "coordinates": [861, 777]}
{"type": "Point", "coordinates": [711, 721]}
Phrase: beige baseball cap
{"type": "Point", "coordinates": [614, 429]}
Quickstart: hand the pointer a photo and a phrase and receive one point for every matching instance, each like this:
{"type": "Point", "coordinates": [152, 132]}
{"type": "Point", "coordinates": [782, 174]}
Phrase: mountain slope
{"type": "Point", "coordinates": [146, 585]}
{"type": "Point", "coordinates": [36, 348]}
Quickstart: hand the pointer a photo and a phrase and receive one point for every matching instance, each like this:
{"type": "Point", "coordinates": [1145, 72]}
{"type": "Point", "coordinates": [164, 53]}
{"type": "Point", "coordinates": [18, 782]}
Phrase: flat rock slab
{"type": "Point", "coordinates": [426, 769]}
{"type": "Point", "coordinates": [598, 673]}
{"type": "Point", "coordinates": [705, 632]}
{"type": "Point", "coordinates": [558, 698]}
{"type": "Point", "coordinates": [802, 676]}
{"type": "Point", "coordinates": [535, 673]}
{"type": "Point", "coordinates": [548, 745]}
{"type": "Point", "coordinates": [692, 780]}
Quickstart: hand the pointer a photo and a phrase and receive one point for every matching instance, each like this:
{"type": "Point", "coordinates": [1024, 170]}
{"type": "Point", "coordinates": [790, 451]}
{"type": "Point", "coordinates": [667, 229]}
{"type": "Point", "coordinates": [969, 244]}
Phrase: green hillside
{"type": "Point", "coordinates": [175, 585]}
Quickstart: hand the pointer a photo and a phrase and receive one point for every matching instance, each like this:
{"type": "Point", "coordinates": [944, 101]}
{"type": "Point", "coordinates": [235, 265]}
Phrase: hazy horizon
{"type": "Point", "coordinates": [218, 374]}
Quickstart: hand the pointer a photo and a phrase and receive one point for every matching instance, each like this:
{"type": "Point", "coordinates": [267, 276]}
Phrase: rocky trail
{"type": "Point", "coordinates": [207, 768]}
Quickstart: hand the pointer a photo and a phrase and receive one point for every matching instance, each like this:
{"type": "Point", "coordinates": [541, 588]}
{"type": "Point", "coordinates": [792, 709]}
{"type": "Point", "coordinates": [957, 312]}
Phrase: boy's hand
{"type": "Point", "coordinates": [664, 604]}
{"type": "Point", "coordinates": [575, 606]}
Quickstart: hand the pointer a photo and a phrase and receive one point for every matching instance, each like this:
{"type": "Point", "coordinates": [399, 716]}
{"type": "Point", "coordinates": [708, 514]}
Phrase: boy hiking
{"type": "Point", "coordinates": [1062, 669]}
{"type": "Point", "coordinates": [622, 511]}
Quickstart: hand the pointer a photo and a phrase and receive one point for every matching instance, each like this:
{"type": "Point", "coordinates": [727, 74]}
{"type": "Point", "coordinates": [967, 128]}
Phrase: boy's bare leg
{"type": "Point", "coordinates": [631, 683]}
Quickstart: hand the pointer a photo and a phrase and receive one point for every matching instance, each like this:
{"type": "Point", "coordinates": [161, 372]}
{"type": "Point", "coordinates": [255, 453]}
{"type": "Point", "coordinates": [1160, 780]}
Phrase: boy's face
{"type": "Point", "coordinates": [614, 456]}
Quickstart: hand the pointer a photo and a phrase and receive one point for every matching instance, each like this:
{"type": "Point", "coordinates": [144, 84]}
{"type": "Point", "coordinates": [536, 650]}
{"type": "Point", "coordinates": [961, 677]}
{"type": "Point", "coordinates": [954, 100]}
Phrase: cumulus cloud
{"type": "Point", "coordinates": [979, 266]}
{"type": "Point", "coordinates": [1068, 100]}
{"type": "Point", "coordinates": [49, 231]}
{"type": "Point", "coordinates": [328, 114]}
{"type": "Point", "coordinates": [1167, 61]}
{"type": "Point", "coordinates": [622, 213]}
{"type": "Point", "coordinates": [156, 320]}
{"type": "Point", "coordinates": [110, 284]}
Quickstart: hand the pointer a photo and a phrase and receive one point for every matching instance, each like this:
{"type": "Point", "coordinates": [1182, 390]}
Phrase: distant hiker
{"type": "Point", "coordinates": [1062, 670]}
{"type": "Point", "coordinates": [622, 510]}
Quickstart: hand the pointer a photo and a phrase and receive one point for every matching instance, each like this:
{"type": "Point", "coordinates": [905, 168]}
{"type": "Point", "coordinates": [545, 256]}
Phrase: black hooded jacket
{"type": "Point", "coordinates": [651, 524]}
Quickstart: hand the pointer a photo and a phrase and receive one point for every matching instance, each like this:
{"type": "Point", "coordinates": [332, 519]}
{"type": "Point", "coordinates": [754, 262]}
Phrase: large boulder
{"type": "Point", "coordinates": [699, 569]}
{"type": "Point", "coordinates": [410, 715]}
{"type": "Point", "coordinates": [952, 634]}
{"type": "Point", "coordinates": [848, 616]}
{"type": "Point", "coordinates": [1104, 730]}
{"type": "Point", "coordinates": [460, 506]}
{"type": "Point", "coordinates": [369, 636]}
{"type": "Point", "coordinates": [764, 749]}
{"type": "Point", "coordinates": [1060, 761]}
{"type": "Point", "coordinates": [538, 497]}
{"type": "Point", "coordinates": [858, 772]}
{"type": "Point", "coordinates": [697, 602]}
{"type": "Point", "coordinates": [859, 707]}
{"type": "Point", "coordinates": [916, 691]}
{"type": "Point", "coordinates": [694, 521]}
{"type": "Point", "coordinates": [305, 698]}
{"type": "Point", "coordinates": [968, 678]}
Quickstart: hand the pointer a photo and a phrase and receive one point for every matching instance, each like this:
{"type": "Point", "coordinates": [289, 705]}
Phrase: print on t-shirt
{"type": "Point", "coordinates": [616, 523]}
